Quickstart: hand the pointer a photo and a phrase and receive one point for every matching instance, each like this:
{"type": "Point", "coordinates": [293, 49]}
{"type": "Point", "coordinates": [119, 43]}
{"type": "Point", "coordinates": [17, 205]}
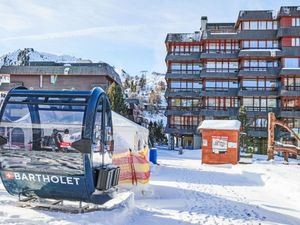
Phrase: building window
{"type": "Point", "coordinates": [220, 103]}
{"type": "Point", "coordinates": [184, 49]}
{"type": "Point", "coordinates": [259, 85]}
{"type": "Point", "coordinates": [295, 41]}
{"type": "Point", "coordinates": [185, 86]}
{"type": "Point", "coordinates": [228, 46]}
{"type": "Point", "coordinates": [260, 25]}
{"type": "Point", "coordinates": [258, 122]}
{"type": "Point", "coordinates": [258, 65]}
{"type": "Point", "coordinates": [291, 62]}
{"type": "Point", "coordinates": [220, 85]}
{"type": "Point", "coordinates": [216, 66]}
{"type": "Point", "coordinates": [253, 25]}
{"type": "Point", "coordinates": [259, 103]}
{"type": "Point", "coordinates": [295, 22]}
{"type": "Point", "coordinates": [185, 68]}
{"type": "Point", "coordinates": [184, 122]}
{"type": "Point", "coordinates": [292, 83]}
{"type": "Point", "coordinates": [262, 44]}
{"type": "Point", "coordinates": [291, 103]}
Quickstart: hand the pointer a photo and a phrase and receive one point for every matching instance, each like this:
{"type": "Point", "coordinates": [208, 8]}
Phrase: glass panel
{"type": "Point", "coordinates": [253, 25]}
{"type": "Point", "coordinates": [249, 84]}
{"type": "Point", "coordinates": [269, 25]}
{"type": "Point", "coordinates": [246, 44]}
{"type": "Point", "coordinates": [262, 44]}
{"type": "Point", "coordinates": [291, 62]}
{"type": "Point", "coordinates": [262, 25]}
{"type": "Point", "coordinates": [248, 102]}
{"type": "Point", "coordinates": [233, 84]}
{"type": "Point", "coordinates": [40, 136]}
{"type": "Point", "coordinates": [190, 85]}
{"type": "Point", "coordinates": [246, 25]}
{"type": "Point", "coordinates": [175, 66]}
{"type": "Point", "coordinates": [197, 85]}
{"type": "Point", "coordinates": [253, 44]}
{"type": "Point", "coordinates": [261, 83]}
{"type": "Point", "coordinates": [175, 84]}
{"type": "Point", "coordinates": [210, 84]}
{"type": "Point", "coordinates": [272, 84]}
{"type": "Point", "coordinates": [272, 102]}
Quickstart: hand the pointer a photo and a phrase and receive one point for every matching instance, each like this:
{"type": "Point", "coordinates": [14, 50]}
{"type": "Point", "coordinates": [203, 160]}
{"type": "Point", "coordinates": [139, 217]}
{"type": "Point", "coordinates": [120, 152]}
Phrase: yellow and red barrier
{"type": "Point", "coordinates": [134, 167]}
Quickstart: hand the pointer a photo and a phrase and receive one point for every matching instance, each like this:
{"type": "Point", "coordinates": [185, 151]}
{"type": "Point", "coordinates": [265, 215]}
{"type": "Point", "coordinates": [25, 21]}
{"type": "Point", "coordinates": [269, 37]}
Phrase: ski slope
{"type": "Point", "coordinates": [185, 192]}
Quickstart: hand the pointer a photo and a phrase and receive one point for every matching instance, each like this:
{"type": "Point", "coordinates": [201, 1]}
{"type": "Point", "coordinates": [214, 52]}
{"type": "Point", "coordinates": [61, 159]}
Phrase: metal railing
{"type": "Point", "coordinates": [184, 90]}
{"type": "Point", "coordinates": [259, 88]}
{"type": "Point", "coordinates": [260, 109]}
{"type": "Point", "coordinates": [184, 71]}
{"type": "Point", "coordinates": [221, 70]}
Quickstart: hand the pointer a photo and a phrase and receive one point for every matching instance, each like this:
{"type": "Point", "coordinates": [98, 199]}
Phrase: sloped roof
{"type": "Point", "coordinates": [100, 69]}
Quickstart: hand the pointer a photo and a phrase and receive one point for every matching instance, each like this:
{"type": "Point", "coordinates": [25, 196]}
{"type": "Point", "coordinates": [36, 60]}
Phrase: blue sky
{"type": "Point", "coordinates": [128, 34]}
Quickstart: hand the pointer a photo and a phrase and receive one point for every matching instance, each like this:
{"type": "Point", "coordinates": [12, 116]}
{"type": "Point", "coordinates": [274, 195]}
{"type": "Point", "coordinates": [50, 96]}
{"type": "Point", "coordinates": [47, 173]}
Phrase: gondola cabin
{"type": "Point", "coordinates": [57, 145]}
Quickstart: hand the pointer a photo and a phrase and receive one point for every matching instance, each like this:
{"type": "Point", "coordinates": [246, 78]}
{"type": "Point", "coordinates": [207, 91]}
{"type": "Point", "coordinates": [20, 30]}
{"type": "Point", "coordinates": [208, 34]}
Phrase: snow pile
{"type": "Point", "coordinates": [186, 192]}
{"type": "Point", "coordinates": [24, 56]}
{"type": "Point", "coordinates": [220, 124]}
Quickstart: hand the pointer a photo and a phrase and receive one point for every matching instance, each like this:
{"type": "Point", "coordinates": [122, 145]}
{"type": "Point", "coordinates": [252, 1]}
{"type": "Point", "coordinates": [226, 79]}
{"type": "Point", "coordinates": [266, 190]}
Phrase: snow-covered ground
{"type": "Point", "coordinates": [186, 192]}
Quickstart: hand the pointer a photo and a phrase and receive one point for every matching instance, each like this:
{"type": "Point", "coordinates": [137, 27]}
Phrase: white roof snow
{"type": "Point", "coordinates": [220, 125]}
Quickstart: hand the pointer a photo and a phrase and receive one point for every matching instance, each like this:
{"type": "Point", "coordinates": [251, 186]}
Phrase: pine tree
{"type": "Point", "coordinates": [151, 133]}
{"type": "Point", "coordinates": [126, 82]}
{"type": "Point", "coordinates": [116, 99]}
{"type": "Point", "coordinates": [244, 137]}
{"type": "Point", "coordinates": [142, 82]}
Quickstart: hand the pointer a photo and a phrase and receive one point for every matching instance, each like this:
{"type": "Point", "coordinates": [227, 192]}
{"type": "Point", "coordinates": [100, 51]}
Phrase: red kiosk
{"type": "Point", "coordinates": [220, 141]}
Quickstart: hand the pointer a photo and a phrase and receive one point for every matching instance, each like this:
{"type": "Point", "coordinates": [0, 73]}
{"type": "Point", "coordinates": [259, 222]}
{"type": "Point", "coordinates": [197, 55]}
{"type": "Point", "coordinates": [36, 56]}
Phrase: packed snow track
{"type": "Point", "coordinates": [183, 191]}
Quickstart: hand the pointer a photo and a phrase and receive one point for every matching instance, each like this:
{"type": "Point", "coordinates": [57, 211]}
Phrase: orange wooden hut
{"type": "Point", "coordinates": [220, 141]}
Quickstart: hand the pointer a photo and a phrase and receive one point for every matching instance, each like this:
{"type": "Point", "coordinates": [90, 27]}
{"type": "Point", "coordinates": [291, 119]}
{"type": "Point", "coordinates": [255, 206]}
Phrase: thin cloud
{"type": "Point", "coordinates": [74, 33]}
{"type": "Point", "coordinates": [88, 32]}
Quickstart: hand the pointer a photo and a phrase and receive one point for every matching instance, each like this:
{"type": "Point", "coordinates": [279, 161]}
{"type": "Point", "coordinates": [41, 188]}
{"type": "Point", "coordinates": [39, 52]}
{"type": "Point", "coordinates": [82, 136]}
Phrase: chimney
{"type": "Point", "coordinates": [203, 23]}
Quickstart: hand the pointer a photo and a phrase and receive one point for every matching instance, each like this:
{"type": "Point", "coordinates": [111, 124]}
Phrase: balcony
{"type": "Point", "coordinates": [288, 32]}
{"type": "Point", "coordinates": [259, 72]}
{"type": "Point", "coordinates": [290, 51]}
{"type": "Point", "coordinates": [255, 91]}
{"type": "Point", "coordinates": [219, 73]}
{"type": "Point", "coordinates": [218, 111]}
{"type": "Point", "coordinates": [182, 111]}
{"type": "Point", "coordinates": [229, 34]}
{"type": "Point", "coordinates": [290, 91]}
{"type": "Point", "coordinates": [220, 92]}
{"type": "Point", "coordinates": [289, 71]}
{"type": "Point", "coordinates": [260, 111]}
{"type": "Point", "coordinates": [219, 55]}
{"type": "Point", "coordinates": [181, 129]}
{"type": "Point", "coordinates": [259, 53]}
{"type": "Point", "coordinates": [179, 92]}
{"type": "Point", "coordinates": [257, 34]}
{"type": "Point", "coordinates": [258, 132]}
{"type": "Point", "coordinates": [177, 74]}
{"type": "Point", "coordinates": [290, 112]}
{"type": "Point", "coordinates": [183, 37]}
{"type": "Point", "coordinates": [195, 56]}
{"type": "Point", "coordinates": [202, 111]}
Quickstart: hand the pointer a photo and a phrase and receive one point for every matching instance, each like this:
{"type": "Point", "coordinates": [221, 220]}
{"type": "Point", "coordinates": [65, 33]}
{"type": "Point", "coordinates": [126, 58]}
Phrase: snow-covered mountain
{"type": "Point", "coordinates": [24, 56]}
{"type": "Point", "coordinates": [154, 82]}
